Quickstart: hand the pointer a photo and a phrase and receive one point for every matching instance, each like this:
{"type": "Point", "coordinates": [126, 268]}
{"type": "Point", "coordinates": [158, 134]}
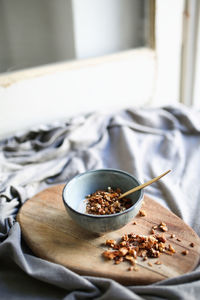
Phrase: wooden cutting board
{"type": "Point", "coordinates": [52, 235]}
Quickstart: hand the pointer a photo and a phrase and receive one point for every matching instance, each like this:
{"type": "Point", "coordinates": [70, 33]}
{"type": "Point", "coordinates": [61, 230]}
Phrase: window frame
{"type": "Point", "coordinates": [153, 60]}
{"type": "Point", "coordinates": [190, 63]}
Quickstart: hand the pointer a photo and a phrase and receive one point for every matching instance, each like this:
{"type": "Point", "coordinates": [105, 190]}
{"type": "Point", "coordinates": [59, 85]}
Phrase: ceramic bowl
{"type": "Point", "coordinates": [79, 187]}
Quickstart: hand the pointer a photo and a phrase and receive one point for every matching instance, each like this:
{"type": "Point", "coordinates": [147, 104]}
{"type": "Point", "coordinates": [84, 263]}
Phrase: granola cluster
{"type": "Point", "coordinates": [106, 202]}
{"type": "Point", "coordinates": [132, 246]}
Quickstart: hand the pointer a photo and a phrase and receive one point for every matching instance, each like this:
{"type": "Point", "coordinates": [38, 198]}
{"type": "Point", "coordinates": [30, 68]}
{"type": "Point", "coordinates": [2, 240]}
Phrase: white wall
{"type": "Point", "coordinates": [64, 90]}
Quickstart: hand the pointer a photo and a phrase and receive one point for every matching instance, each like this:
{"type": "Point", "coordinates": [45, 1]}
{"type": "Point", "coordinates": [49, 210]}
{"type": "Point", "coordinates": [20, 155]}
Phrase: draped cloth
{"type": "Point", "coordinates": [142, 141]}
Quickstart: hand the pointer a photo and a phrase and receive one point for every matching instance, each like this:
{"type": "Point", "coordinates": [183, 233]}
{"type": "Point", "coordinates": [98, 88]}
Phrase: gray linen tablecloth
{"type": "Point", "coordinates": [144, 142]}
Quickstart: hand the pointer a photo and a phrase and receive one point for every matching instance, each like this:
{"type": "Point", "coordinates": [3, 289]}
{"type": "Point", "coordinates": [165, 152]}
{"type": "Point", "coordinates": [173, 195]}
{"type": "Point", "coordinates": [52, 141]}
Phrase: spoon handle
{"type": "Point", "coordinates": [139, 187]}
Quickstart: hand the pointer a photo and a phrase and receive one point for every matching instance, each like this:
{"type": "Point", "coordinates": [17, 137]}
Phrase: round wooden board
{"type": "Point", "coordinates": [52, 235]}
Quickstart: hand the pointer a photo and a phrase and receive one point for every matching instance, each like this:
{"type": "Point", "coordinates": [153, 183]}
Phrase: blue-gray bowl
{"type": "Point", "coordinates": [80, 186]}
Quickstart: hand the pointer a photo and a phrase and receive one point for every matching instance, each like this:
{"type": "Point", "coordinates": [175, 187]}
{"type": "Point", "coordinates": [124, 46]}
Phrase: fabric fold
{"type": "Point", "coordinates": [142, 141]}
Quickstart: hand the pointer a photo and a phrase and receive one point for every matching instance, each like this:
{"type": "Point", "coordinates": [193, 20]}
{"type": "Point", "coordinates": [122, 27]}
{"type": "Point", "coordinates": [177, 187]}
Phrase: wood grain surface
{"type": "Point", "coordinates": [52, 235]}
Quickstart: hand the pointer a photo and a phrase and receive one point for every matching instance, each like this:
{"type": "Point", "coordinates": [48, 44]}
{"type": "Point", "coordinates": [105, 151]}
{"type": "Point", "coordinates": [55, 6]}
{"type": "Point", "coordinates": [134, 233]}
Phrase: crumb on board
{"type": "Point", "coordinates": [131, 246]}
{"type": "Point", "coordinates": [171, 249]}
{"type": "Point", "coordinates": [163, 227]}
{"type": "Point", "coordinates": [185, 252]}
{"type": "Point", "coordinates": [145, 258]}
{"type": "Point", "coordinates": [142, 213]}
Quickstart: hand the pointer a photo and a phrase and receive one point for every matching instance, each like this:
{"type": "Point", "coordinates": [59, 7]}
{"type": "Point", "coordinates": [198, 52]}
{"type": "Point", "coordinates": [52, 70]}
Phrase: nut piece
{"type": "Point", "coordinates": [132, 252]}
{"type": "Point", "coordinates": [192, 245]}
{"type": "Point", "coordinates": [117, 262]}
{"type": "Point", "coordinates": [109, 254]}
{"type": "Point", "coordinates": [123, 251]}
{"type": "Point", "coordinates": [110, 243]}
{"type": "Point", "coordinates": [134, 223]}
{"type": "Point", "coordinates": [145, 258]}
{"type": "Point", "coordinates": [163, 227]}
{"type": "Point", "coordinates": [161, 238]}
{"type": "Point", "coordinates": [158, 262]}
{"type": "Point", "coordinates": [129, 257]}
{"type": "Point", "coordinates": [150, 264]}
{"type": "Point", "coordinates": [172, 236]}
{"type": "Point", "coordinates": [171, 249]}
{"type": "Point", "coordinates": [142, 213]}
{"type": "Point", "coordinates": [179, 240]}
{"type": "Point", "coordinates": [185, 252]}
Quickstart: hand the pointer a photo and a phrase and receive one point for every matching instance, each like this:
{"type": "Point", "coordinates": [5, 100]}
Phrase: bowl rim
{"type": "Point", "coordinates": [102, 216]}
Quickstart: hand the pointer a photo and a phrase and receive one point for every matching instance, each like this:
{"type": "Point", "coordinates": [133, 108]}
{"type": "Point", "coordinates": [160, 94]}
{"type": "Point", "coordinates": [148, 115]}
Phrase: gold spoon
{"type": "Point", "coordinates": [139, 187]}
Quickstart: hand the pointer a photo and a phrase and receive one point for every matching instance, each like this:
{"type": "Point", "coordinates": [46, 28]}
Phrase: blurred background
{"type": "Point", "coordinates": [60, 58]}
{"type": "Point", "coordinates": [39, 32]}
